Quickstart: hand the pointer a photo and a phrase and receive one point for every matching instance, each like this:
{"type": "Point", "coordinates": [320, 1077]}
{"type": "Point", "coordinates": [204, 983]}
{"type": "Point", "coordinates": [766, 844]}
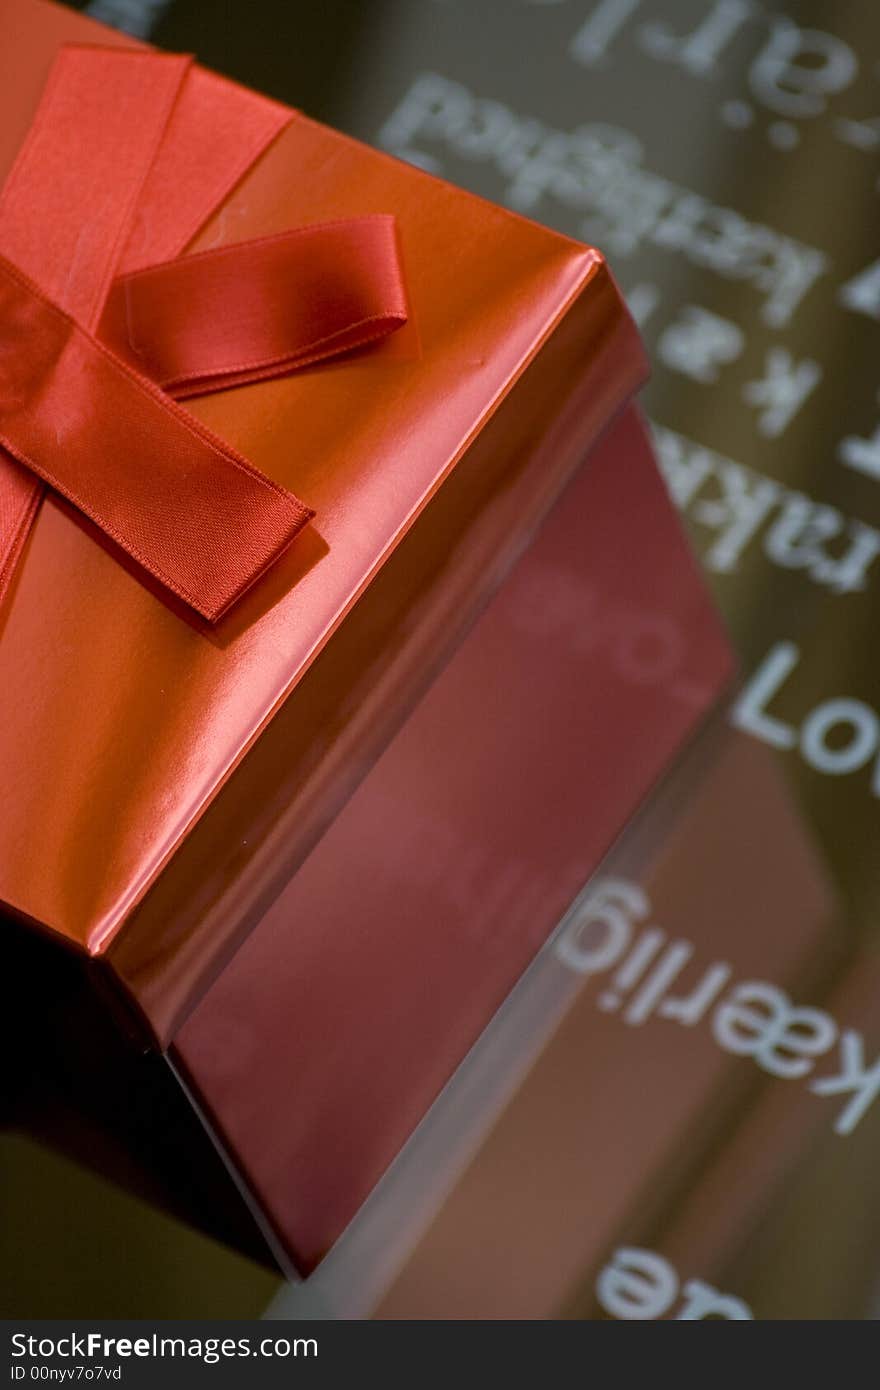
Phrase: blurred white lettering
{"type": "Point", "coordinates": [639, 1285]}
{"type": "Point", "coordinates": [605, 930]}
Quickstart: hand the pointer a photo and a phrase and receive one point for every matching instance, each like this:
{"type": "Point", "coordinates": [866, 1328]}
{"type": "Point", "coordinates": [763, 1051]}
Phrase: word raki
{"type": "Point", "coordinates": [737, 504]}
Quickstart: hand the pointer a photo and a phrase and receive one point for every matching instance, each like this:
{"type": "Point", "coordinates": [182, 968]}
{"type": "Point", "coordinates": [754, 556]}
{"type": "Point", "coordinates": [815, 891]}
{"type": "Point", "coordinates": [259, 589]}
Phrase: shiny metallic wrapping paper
{"type": "Point", "coordinates": [726, 158]}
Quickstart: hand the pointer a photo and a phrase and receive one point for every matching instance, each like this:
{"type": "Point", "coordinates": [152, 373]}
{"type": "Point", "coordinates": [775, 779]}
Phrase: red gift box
{"type": "Point", "coordinates": [169, 781]}
{"type": "Point", "coordinates": [429, 462]}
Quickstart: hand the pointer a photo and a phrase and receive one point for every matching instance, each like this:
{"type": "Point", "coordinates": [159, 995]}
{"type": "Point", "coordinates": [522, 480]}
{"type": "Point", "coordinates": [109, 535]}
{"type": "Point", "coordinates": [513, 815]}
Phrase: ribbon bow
{"type": "Point", "coordinates": [104, 325]}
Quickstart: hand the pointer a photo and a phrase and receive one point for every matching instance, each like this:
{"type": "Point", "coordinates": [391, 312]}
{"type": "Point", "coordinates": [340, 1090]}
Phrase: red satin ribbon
{"type": "Point", "coordinates": [103, 321]}
{"type": "Point", "coordinates": [293, 299]}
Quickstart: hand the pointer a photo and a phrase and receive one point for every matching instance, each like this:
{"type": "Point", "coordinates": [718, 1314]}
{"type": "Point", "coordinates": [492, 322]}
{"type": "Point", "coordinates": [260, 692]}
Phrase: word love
{"type": "Point", "coordinates": [840, 735]}
{"type": "Point", "coordinates": [748, 1018]}
{"type": "Point", "coordinates": [640, 1286]}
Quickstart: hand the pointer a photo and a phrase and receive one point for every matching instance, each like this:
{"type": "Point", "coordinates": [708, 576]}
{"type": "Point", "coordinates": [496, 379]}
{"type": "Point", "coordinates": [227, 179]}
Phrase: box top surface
{"type": "Point", "coordinates": [119, 719]}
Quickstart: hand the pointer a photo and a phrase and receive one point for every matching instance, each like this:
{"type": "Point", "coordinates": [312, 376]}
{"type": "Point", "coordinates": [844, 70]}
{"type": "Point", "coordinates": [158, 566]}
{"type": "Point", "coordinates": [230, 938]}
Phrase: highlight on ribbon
{"type": "Point", "coordinates": [105, 323]}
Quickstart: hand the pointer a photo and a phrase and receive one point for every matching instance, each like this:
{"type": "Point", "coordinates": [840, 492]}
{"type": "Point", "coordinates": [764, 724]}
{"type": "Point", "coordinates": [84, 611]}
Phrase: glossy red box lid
{"type": "Point", "coordinates": [119, 719]}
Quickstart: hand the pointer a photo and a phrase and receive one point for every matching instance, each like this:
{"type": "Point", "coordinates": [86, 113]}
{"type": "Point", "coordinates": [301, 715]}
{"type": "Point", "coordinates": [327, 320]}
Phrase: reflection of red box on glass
{"type": "Point", "coordinates": [620, 1120]}
{"type": "Point", "coordinates": [166, 782]}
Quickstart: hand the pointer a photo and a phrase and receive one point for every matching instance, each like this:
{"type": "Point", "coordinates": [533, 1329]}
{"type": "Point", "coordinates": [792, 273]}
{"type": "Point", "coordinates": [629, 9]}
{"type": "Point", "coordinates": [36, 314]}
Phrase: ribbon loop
{"type": "Point", "coordinates": [259, 308]}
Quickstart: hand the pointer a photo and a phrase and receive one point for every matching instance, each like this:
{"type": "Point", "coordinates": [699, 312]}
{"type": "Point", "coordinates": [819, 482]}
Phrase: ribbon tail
{"type": "Point", "coordinates": [182, 503]}
{"type": "Point", "coordinates": [20, 497]}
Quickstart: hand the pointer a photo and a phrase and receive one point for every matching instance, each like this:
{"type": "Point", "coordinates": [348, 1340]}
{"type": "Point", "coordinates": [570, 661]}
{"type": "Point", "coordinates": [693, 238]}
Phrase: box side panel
{"type": "Point", "coordinates": [325, 1040]}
